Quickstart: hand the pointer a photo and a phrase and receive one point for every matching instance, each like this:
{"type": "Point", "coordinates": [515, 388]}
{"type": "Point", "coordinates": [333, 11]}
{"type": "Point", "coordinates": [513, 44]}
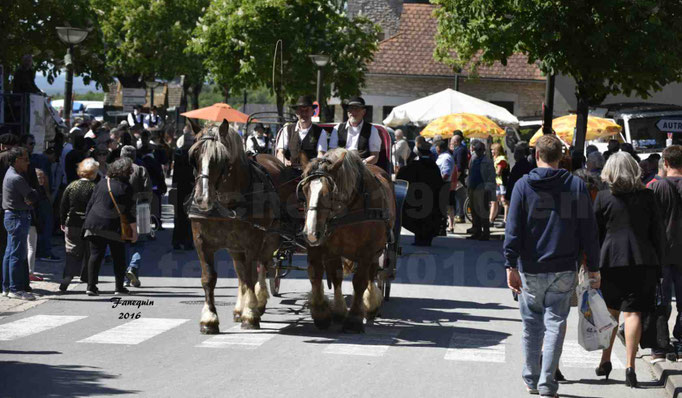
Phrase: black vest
{"type": "Point", "coordinates": [153, 120]}
{"type": "Point", "coordinates": [307, 146]}
{"type": "Point", "coordinates": [256, 147]}
{"type": "Point", "coordinates": [363, 139]}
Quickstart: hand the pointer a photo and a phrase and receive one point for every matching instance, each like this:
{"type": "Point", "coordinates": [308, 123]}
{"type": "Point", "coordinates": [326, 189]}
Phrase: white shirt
{"type": "Point", "coordinates": [148, 120]}
{"type": "Point", "coordinates": [283, 140]}
{"type": "Point", "coordinates": [131, 119]}
{"type": "Point", "coordinates": [249, 143]}
{"type": "Point", "coordinates": [446, 164]}
{"type": "Point", "coordinates": [90, 134]}
{"type": "Point", "coordinates": [352, 136]}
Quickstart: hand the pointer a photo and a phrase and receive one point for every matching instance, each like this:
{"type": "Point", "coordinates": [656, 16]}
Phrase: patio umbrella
{"type": "Point", "coordinates": [473, 126]}
{"type": "Point", "coordinates": [564, 127]}
{"type": "Point", "coordinates": [218, 112]}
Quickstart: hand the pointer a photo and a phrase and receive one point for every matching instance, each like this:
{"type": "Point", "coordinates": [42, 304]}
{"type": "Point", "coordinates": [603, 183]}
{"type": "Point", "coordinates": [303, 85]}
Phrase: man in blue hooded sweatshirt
{"type": "Point", "coordinates": [550, 226]}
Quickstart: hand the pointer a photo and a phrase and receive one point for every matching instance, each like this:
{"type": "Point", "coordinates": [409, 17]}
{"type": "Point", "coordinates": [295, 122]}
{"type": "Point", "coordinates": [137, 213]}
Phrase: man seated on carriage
{"type": "Point", "coordinates": [258, 142]}
{"type": "Point", "coordinates": [303, 139]}
{"type": "Point", "coordinates": [355, 134]}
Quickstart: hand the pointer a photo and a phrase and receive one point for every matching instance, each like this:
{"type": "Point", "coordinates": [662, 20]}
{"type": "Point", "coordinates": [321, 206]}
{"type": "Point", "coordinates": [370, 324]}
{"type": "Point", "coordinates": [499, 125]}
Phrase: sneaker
{"type": "Point", "coordinates": [5, 293]}
{"type": "Point", "coordinates": [50, 259]}
{"type": "Point", "coordinates": [131, 274]}
{"type": "Point", "coordinates": [94, 292]}
{"type": "Point", "coordinates": [126, 283]}
{"type": "Point", "coordinates": [532, 391]}
{"type": "Point", "coordinates": [122, 292]}
{"type": "Point", "coordinates": [21, 296]}
{"type": "Point", "coordinates": [34, 278]}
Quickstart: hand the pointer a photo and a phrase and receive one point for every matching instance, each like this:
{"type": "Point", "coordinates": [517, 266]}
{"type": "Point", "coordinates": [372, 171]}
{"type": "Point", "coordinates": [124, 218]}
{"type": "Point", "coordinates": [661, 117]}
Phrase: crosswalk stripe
{"type": "Point", "coordinates": [575, 356]}
{"type": "Point", "coordinates": [481, 347]}
{"type": "Point", "coordinates": [34, 324]}
{"type": "Point", "coordinates": [135, 332]}
{"type": "Point", "coordinates": [237, 337]}
{"type": "Point", "coordinates": [374, 343]}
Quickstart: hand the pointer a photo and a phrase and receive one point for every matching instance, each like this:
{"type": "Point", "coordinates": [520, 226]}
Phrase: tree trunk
{"type": "Point", "coordinates": [226, 94]}
{"type": "Point", "coordinates": [196, 90]}
{"type": "Point", "coordinates": [581, 123]}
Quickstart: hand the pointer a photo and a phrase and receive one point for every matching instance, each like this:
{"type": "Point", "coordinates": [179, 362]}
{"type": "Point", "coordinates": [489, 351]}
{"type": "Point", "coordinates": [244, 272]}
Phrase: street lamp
{"type": "Point", "coordinates": [151, 85]}
{"type": "Point", "coordinates": [70, 36]}
{"type": "Point", "coordinates": [320, 60]}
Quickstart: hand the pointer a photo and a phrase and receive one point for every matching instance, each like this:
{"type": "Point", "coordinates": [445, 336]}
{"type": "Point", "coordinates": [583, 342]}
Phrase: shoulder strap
{"type": "Point", "coordinates": [112, 196]}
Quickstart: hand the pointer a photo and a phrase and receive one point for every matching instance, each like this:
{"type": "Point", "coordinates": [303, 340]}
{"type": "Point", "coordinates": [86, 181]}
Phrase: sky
{"type": "Point", "coordinates": [58, 85]}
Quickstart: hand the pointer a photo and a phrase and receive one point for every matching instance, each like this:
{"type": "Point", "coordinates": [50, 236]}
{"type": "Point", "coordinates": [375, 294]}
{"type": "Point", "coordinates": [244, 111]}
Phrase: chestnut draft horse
{"type": "Point", "coordinates": [350, 212]}
{"type": "Point", "coordinates": [236, 205]}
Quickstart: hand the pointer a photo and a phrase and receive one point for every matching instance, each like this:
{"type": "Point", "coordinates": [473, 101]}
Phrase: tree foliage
{"type": "Point", "coordinates": [237, 40]}
{"type": "Point", "coordinates": [147, 38]}
{"type": "Point", "coordinates": [608, 46]}
{"type": "Point", "coordinates": [29, 27]}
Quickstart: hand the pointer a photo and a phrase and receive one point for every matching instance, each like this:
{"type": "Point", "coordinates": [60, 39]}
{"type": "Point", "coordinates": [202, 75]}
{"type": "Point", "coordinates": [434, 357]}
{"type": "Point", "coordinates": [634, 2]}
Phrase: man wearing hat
{"type": "Point", "coordinates": [257, 143]}
{"type": "Point", "coordinates": [303, 138]}
{"type": "Point", "coordinates": [355, 134]}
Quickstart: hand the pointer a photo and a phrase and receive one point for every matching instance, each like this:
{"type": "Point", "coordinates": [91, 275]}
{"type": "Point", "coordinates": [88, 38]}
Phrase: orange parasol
{"type": "Point", "coordinates": [564, 128]}
{"type": "Point", "coordinates": [471, 125]}
{"type": "Point", "coordinates": [218, 112]}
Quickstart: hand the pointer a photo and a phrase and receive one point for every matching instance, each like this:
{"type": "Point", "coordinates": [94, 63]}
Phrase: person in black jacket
{"type": "Point", "coordinates": [103, 223]}
{"type": "Point", "coordinates": [183, 179]}
{"type": "Point", "coordinates": [632, 248]}
{"type": "Point", "coordinates": [521, 167]}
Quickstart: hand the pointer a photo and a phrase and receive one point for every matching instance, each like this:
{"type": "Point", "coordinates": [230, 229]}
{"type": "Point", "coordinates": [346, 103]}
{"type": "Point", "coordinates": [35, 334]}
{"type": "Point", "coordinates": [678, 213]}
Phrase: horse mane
{"type": "Point", "coordinates": [349, 172]}
{"type": "Point", "coordinates": [222, 149]}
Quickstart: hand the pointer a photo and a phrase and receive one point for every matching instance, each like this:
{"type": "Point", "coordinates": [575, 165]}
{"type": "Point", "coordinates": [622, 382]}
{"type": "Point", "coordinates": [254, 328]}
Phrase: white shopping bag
{"type": "Point", "coordinates": [143, 218]}
{"type": "Point", "coordinates": [595, 323]}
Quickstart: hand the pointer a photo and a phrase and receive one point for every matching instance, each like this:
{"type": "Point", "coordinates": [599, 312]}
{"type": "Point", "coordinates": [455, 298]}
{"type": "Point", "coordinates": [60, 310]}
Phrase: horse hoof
{"type": "Point", "coordinates": [253, 325]}
{"type": "Point", "coordinates": [372, 315]}
{"type": "Point", "coordinates": [209, 329]}
{"type": "Point", "coordinates": [261, 310]}
{"type": "Point", "coordinates": [338, 318]}
{"type": "Point", "coordinates": [323, 323]}
{"type": "Point", "coordinates": [237, 317]}
{"type": "Point", "coordinates": [353, 326]}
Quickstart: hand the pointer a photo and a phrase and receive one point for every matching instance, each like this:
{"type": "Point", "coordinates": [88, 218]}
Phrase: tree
{"type": "Point", "coordinates": [608, 46]}
{"type": "Point", "coordinates": [146, 39]}
{"type": "Point", "coordinates": [29, 27]}
{"type": "Point", "coordinates": [237, 39]}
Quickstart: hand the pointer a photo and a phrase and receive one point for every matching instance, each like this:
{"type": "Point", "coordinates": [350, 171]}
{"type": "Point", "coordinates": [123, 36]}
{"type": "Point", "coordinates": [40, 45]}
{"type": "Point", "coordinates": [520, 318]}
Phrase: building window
{"type": "Point", "coordinates": [508, 105]}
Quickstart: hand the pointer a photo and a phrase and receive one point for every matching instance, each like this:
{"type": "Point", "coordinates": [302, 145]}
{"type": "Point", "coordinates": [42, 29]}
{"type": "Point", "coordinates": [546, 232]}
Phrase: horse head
{"type": "Point", "coordinates": [216, 150]}
{"type": "Point", "coordinates": [327, 185]}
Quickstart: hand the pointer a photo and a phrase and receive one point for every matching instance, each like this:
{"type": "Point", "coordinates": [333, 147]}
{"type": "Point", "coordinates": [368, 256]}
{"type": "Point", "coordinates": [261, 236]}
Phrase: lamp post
{"type": "Point", "coordinates": [70, 36]}
{"type": "Point", "coordinates": [320, 60]}
{"type": "Point", "coordinates": [151, 85]}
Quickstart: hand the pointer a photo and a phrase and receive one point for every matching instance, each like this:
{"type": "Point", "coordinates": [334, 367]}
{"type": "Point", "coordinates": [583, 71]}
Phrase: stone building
{"type": "Point", "coordinates": [404, 69]}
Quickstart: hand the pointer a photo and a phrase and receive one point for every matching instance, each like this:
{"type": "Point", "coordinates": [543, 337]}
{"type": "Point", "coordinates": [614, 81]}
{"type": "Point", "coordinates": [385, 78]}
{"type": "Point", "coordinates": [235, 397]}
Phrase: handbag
{"type": "Point", "coordinates": [655, 332]}
{"type": "Point", "coordinates": [126, 229]}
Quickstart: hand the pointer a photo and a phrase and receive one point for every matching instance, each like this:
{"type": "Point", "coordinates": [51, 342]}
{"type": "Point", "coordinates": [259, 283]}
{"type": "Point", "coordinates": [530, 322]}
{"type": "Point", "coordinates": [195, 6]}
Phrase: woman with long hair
{"type": "Point", "coordinates": [631, 235]}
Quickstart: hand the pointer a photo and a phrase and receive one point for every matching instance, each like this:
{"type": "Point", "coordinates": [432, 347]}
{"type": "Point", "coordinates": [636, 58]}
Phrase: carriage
{"type": "Point", "coordinates": [283, 258]}
{"type": "Point", "coordinates": [252, 206]}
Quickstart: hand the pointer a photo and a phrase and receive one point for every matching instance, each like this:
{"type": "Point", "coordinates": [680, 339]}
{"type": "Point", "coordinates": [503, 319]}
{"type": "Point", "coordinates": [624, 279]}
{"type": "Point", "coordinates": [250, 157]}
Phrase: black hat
{"type": "Point", "coordinates": [259, 126]}
{"type": "Point", "coordinates": [356, 101]}
{"type": "Point", "coordinates": [304, 100]}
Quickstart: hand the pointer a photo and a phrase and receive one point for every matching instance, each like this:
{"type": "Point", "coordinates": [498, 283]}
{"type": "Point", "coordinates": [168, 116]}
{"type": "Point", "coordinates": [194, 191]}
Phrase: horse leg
{"type": "Point", "coordinates": [334, 270]}
{"type": "Point", "coordinates": [262, 287]}
{"type": "Point", "coordinates": [373, 297]}
{"type": "Point", "coordinates": [209, 323]}
{"type": "Point", "coordinates": [319, 307]}
{"type": "Point", "coordinates": [246, 270]}
{"type": "Point", "coordinates": [353, 322]}
{"type": "Point", "coordinates": [239, 306]}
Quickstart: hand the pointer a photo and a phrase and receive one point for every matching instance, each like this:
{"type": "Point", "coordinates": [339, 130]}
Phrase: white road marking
{"type": "Point", "coordinates": [135, 332]}
{"type": "Point", "coordinates": [481, 347]}
{"type": "Point", "coordinates": [575, 356]}
{"type": "Point", "coordinates": [237, 337]}
{"type": "Point", "coordinates": [34, 324]}
{"type": "Point", "coordinates": [373, 343]}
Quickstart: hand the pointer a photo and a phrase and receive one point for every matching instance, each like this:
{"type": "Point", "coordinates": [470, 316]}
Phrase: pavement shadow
{"type": "Point", "coordinates": [436, 311]}
{"type": "Point", "coordinates": [55, 381]}
{"type": "Point", "coordinates": [15, 352]}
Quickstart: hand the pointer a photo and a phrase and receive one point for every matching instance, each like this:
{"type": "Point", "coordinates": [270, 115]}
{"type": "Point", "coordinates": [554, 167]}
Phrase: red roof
{"type": "Point", "coordinates": [410, 51]}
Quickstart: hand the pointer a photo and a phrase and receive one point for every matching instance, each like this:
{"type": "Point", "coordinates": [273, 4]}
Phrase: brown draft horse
{"type": "Point", "coordinates": [341, 192]}
{"type": "Point", "coordinates": [229, 211]}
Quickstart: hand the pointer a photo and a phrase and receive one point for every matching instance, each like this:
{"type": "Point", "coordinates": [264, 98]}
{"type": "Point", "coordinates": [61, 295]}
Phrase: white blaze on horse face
{"type": "Point", "coordinates": [205, 170]}
{"type": "Point", "coordinates": [311, 216]}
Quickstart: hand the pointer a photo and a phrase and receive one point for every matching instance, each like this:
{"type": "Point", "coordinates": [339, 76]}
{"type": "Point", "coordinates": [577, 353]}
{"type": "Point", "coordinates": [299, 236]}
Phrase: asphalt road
{"type": "Point", "coordinates": [450, 329]}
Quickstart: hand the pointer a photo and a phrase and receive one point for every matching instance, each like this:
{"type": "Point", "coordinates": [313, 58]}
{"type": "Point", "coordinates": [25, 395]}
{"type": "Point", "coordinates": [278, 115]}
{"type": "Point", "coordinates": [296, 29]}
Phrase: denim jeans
{"type": "Point", "coordinates": [45, 235]}
{"type": "Point", "coordinates": [672, 282]}
{"type": "Point", "coordinates": [460, 198]}
{"type": "Point", "coordinates": [136, 259]}
{"type": "Point", "coordinates": [17, 224]}
{"type": "Point", "coordinates": [544, 304]}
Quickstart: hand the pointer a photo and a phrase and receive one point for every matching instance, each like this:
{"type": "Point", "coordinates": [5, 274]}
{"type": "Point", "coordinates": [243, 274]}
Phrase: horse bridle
{"type": "Point", "coordinates": [201, 175]}
{"type": "Point", "coordinates": [315, 175]}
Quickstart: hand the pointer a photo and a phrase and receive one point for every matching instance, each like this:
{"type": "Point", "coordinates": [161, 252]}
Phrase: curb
{"type": "Point", "coordinates": [668, 374]}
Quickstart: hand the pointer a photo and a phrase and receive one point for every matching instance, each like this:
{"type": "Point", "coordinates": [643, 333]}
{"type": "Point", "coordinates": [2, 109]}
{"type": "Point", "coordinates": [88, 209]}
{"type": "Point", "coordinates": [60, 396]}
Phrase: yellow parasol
{"type": "Point", "coordinates": [473, 126]}
{"type": "Point", "coordinates": [564, 127]}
